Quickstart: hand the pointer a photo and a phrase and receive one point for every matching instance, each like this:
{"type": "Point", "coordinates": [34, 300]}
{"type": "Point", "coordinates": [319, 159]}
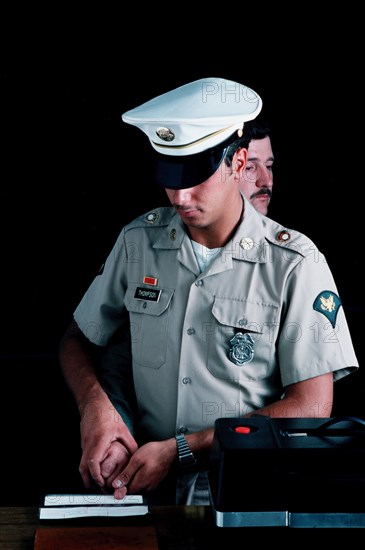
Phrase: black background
{"type": "Point", "coordinates": [72, 174]}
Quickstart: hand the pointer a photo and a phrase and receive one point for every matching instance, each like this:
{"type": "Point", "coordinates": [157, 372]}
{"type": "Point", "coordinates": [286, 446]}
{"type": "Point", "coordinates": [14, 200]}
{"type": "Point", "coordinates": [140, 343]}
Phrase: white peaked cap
{"type": "Point", "coordinates": [196, 116]}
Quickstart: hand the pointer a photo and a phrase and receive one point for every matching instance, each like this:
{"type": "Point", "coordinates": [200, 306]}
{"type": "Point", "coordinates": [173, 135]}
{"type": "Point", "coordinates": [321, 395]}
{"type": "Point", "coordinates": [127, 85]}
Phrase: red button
{"type": "Point", "coordinates": [242, 429]}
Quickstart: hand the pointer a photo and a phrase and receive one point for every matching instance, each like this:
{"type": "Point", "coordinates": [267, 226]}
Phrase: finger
{"type": "Point", "coordinates": [87, 479]}
{"type": "Point", "coordinates": [122, 480]}
{"type": "Point", "coordinates": [108, 467]}
{"type": "Point", "coordinates": [120, 493]}
{"type": "Point", "coordinates": [94, 460]}
{"type": "Point", "coordinates": [115, 462]}
{"type": "Point", "coordinates": [120, 484]}
{"type": "Point", "coordinates": [95, 471]}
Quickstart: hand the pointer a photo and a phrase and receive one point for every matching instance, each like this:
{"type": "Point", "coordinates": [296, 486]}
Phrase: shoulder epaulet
{"type": "Point", "coordinates": [289, 239]}
{"type": "Point", "coordinates": [157, 217]}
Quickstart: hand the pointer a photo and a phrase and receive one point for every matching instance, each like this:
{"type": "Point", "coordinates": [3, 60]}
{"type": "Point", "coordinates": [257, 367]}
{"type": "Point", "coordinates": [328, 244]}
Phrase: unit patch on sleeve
{"type": "Point", "coordinates": [328, 303]}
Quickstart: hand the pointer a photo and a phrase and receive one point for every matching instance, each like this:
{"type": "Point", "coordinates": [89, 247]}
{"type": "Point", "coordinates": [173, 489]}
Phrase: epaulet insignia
{"type": "Point", "coordinates": [328, 303]}
{"type": "Point", "coordinates": [283, 236]}
{"type": "Point", "coordinates": [152, 217]}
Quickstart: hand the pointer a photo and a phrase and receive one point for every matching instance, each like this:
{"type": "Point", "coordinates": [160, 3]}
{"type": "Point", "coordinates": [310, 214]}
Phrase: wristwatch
{"type": "Point", "coordinates": [186, 457]}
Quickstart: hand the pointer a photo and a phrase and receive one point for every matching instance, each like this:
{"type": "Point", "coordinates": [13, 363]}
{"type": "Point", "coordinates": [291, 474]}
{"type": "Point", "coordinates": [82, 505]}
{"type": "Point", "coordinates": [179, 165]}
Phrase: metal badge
{"type": "Point", "coordinates": [173, 234]}
{"type": "Point", "coordinates": [242, 350]}
{"type": "Point", "coordinates": [283, 236]}
{"type": "Point", "coordinates": [165, 134]}
{"type": "Point", "coordinates": [328, 303]}
{"type": "Point", "coordinates": [151, 217]}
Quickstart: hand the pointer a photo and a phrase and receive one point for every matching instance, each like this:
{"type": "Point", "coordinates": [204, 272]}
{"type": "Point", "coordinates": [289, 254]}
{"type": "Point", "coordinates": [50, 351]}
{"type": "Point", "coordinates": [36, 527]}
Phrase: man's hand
{"type": "Point", "coordinates": [148, 466]}
{"type": "Point", "coordinates": [101, 426]}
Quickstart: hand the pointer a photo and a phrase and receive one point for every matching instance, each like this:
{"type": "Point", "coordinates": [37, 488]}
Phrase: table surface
{"type": "Point", "coordinates": [177, 528]}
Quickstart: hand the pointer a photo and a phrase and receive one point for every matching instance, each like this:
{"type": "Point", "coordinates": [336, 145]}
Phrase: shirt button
{"type": "Point", "coordinates": [144, 305]}
{"type": "Point", "coordinates": [246, 243]}
{"type": "Point", "coordinates": [186, 380]}
{"type": "Point", "coordinates": [182, 430]}
{"type": "Point", "coordinates": [191, 331]}
{"type": "Point", "coordinates": [199, 283]}
{"type": "Point", "coordinates": [242, 322]}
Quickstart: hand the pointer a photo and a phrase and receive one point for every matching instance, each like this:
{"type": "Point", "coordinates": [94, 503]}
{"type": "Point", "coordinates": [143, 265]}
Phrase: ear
{"type": "Point", "coordinates": [239, 161]}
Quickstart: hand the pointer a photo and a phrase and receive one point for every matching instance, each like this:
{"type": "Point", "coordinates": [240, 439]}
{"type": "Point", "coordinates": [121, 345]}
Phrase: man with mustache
{"type": "Point", "coordinates": [257, 179]}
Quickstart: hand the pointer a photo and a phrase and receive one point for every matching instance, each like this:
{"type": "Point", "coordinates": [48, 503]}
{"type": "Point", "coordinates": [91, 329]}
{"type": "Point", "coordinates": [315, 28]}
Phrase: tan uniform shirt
{"type": "Point", "coordinates": [265, 314]}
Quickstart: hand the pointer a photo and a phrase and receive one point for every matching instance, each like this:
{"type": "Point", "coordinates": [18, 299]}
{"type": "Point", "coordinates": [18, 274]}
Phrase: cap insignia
{"type": "Point", "coordinates": [165, 134]}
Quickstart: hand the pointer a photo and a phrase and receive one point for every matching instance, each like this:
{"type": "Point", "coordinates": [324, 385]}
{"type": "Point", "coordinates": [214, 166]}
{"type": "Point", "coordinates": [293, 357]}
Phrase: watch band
{"type": "Point", "coordinates": [186, 457]}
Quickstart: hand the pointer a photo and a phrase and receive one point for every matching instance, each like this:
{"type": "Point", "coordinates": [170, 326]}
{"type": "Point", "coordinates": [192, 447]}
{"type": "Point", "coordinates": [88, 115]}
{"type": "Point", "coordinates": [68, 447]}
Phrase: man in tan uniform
{"type": "Point", "coordinates": [229, 313]}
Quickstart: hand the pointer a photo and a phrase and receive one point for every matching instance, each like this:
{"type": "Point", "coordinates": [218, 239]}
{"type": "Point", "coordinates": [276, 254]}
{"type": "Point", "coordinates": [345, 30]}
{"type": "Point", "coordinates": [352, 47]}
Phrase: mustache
{"type": "Point", "coordinates": [262, 191]}
{"type": "Point", "coordinates": [183, 208]}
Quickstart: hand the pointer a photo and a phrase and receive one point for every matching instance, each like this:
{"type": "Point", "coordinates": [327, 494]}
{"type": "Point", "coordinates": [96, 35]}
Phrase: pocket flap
{"type": "Point", "coordinates": [243, 314]}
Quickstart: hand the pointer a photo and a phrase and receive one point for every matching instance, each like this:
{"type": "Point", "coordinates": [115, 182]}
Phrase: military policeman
{"type": "Point", "coordinates": [228, 312]}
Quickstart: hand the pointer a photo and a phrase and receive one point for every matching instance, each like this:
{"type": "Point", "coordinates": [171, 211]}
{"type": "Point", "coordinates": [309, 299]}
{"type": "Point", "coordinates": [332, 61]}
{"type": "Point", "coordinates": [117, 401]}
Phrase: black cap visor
{"type": "Point", "coordinates": [174, 172]}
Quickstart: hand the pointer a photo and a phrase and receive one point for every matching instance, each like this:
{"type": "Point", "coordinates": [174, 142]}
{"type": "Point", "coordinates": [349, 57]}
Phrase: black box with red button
{"type": "Point", "coordinates": [287, 465]}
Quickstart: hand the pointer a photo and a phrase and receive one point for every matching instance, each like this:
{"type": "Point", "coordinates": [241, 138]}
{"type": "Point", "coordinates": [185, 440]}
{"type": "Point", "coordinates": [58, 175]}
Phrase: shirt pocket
{"type": "Point", "coordinates": [149, 321]}
{"type": "Point", "coordinates": [251, 354]}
